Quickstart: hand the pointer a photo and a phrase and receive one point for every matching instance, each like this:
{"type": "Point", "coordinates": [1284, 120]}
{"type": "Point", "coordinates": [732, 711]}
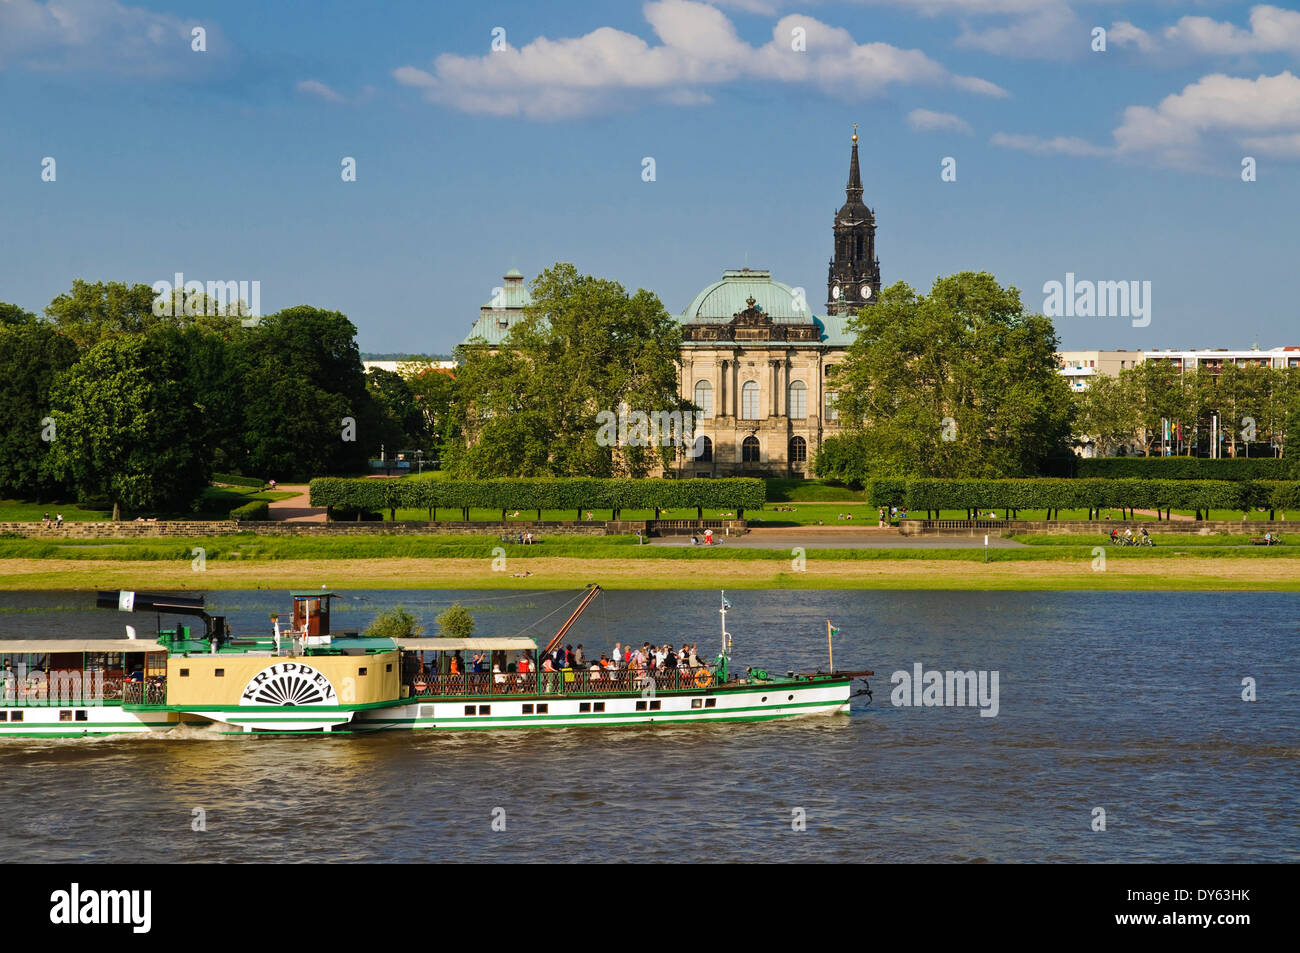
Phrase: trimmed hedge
{"type": "Point", "coordinates": [257, 510]}
{"type": "Point", "coordinates": [1052, 494]}
{"type": "Point", "coordinates": [578, 493]}
{"type": "Point", "coordinates": [1189, 468]}
{"type": "Point", "coordinates": [231, 480]}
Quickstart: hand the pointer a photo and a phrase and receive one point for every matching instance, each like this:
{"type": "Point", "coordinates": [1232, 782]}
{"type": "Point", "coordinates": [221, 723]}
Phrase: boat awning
{"type": "Point", "coordinates": [41, 646]}
{"type": "Point", "coordinates": [468, 645]}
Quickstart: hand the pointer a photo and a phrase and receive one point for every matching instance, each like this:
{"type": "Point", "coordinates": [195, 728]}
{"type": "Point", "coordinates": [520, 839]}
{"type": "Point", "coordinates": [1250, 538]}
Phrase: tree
{"type": "Point", "coordinates": [455, 622]}
{"type": "Point", "coordinates": [432, 387]}
{"type": "Point", "coordinates": [962, 382]}
{"type": "Point", "coordinates": [35, 354]}
{"type": "Point", "coordinates": [11, 314]}
{"type": "Point", "coordinates": [401, 424]}
{"type": "Point", "coordinates": [1104, 415]}
{"type": "Point", "coordinates": [306, 411]}
{"type": "Point", "coordinates": [395, 623]}
{"type": "Point", "coordinates": [584, 346]}
{"type": "Point", "coordinates": [128, 426]}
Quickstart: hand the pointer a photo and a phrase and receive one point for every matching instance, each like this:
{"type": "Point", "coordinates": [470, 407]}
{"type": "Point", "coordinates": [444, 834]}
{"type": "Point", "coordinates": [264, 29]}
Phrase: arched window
{"type": "Point", "coordinates": [798, 450]}
{"type": "Point", "coordinates": [706, 451]}
{"type": "Point", "coordinates": [749, 401]}
{"type": "Point", "coordinates": [704, 398]}
{"type": "Point", "coordinates": [798, 400]}
{"type": "Point", "coordinates": [749, 450]}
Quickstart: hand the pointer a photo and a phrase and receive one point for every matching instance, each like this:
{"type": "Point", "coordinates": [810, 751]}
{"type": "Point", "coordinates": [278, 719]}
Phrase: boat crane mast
{"type": "Point", "coordinates": [592, 591]}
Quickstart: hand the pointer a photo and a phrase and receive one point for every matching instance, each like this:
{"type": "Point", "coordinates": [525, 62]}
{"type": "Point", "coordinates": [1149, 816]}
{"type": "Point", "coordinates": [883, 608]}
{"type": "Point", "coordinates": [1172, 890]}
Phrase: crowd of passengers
{"type": "Point", "coordinates": [646, 659]}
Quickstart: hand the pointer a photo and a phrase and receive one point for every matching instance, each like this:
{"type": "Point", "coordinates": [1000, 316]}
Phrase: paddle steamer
{"type": "Point", "coordinates": [303, 678]}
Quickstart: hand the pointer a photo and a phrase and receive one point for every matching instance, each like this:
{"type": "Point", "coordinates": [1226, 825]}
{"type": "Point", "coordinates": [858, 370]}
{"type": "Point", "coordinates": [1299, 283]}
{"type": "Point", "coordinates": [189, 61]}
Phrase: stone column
{"type": "Point", "coordinates": [720, 398]}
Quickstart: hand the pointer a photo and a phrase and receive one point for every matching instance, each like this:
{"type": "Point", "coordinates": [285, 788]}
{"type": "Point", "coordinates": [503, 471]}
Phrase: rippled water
{"type": "Point", "coordinates": [1130, 702]}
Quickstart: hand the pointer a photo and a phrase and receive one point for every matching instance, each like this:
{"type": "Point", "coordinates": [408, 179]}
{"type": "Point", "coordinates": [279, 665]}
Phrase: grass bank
{"type": "Point", "coordinates": [253, 562]}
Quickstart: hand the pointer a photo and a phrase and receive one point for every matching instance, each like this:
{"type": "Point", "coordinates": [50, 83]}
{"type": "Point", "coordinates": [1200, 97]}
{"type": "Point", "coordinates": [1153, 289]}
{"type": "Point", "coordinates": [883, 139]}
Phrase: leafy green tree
{"type": "Point", "coordinates": [128, 426]}
{"type": "Point", "coordinates": [304, 395]}
{"type": "Point", "coordinates": [1104, 415]}
{"type": "Point", "coordinates": [34, 354]}
{"type": "Point", "coordinates": [395, 623]}
{"type": "Point", "coordinates": [401, 423]}
{"type": "Point", "coordinates": [91, 312]}
{"type": "Point", "coordinates": [11, 314]}
{"type": "Point", "coordinates": [960, 382]}
{"type": "Point", "coordinates": [584, 346]}
{"type": "Point", "coordinates": [455, 622]}
{"type": "Point", "coordinates": [432, 388]}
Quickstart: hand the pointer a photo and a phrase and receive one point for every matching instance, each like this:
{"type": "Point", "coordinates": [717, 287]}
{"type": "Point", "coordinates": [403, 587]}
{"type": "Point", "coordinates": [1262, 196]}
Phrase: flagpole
{"type": "Point", "coordinates": [830, 650]}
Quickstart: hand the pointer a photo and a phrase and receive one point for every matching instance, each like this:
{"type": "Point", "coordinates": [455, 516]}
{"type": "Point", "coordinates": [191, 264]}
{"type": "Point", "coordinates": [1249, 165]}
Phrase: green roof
{"type": "Point", "coordinates": [502, 312]}
{"type": "Point", "coordinates": [722, 300]}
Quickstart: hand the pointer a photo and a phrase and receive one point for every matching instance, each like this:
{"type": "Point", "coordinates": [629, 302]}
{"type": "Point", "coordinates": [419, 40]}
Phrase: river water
{"type": "Point", "coordinates": [1131, 703]}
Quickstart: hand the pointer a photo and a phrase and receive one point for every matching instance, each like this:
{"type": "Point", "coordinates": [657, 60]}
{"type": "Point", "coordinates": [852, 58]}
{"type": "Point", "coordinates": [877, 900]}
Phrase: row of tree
{"type": "Point", "coordinates": [1155, 407]}
{"type": "Point", "coordinates": [106, 399]}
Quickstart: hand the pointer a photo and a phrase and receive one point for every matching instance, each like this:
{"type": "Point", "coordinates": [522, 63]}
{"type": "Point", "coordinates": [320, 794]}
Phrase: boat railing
{"type": "Point", "coordinates": [152, 692]}
{"type": "Point", "coordinates": [69, 687]}
{"type": "Point", "coordinates": [563, 682]}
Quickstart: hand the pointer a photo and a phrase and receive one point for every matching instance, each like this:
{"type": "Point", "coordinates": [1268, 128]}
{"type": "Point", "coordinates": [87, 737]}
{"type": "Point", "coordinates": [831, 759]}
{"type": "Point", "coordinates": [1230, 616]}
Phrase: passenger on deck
{"type": "Point", "coordinates": [579, 659]}
{"type": "Point", "coordinates": [618, 655]}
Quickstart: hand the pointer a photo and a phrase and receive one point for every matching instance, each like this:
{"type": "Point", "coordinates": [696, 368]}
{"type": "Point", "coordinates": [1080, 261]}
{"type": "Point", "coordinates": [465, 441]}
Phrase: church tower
{"type": "Point", "coordinates": [854, 278]}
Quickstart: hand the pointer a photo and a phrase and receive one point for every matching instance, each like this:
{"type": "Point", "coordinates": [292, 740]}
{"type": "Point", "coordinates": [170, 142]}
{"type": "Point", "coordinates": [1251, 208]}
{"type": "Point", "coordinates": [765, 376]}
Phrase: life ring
{"type": "Point", "coordinates": [703, 678]}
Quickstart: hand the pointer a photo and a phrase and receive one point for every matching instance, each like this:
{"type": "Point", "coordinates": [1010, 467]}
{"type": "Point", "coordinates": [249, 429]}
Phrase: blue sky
{"type": "Point", "coordinates": [225, 164]}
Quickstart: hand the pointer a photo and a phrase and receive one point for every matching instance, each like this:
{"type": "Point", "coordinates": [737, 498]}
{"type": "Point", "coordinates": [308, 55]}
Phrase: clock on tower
{"type": "Point", "coordinates": [854, 276]}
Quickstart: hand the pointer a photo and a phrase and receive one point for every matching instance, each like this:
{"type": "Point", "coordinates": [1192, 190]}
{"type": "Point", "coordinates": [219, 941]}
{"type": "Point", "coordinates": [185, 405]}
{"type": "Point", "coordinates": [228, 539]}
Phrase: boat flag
{"type": "Point", "coordinates": [834, 631]}
{"type": "Point", "coordinates": [725, 603]}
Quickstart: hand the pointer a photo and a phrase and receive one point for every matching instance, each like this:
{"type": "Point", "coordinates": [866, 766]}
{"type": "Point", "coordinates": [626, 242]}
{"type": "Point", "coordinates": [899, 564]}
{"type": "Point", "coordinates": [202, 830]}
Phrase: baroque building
{"type": "Point", "coordinates": [755, 359]}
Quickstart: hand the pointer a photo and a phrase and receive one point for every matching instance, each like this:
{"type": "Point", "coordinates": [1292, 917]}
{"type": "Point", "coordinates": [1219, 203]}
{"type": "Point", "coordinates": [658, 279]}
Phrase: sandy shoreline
{"type": "Point", "coordinates": [1176, 573]}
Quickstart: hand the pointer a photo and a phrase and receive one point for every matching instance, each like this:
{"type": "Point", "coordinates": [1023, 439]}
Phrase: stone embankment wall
{"type": "Point", "coordinates": [1101, 527]}
{"type": "Point", "coordinates": [129, 529]}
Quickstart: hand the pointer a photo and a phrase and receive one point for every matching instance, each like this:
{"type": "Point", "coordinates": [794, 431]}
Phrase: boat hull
{"type": "Point", "coordinates": [71, 721]}
{"type": "Point", "coordinates": [752, 703]}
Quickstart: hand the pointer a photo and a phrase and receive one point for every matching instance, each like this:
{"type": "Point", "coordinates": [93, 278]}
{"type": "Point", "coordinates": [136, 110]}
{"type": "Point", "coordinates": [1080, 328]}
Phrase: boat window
{"type": "Point", "coordinates": [697, 702]}
{"type": "Point", "coordinates": [220, 673]}
{"type": "Point", "coordinates": [388, 667]}
{"type": "Point", "coordinates": [764, 698]}
{"type": "Point", "coordinates": [710, 703]}
{"type": "Point", "coordinates": [543, 709]}
{"type": "Point", "coordinates": [65, 715]}
{"type": "Point", "coordinates": [528, 709]}
{"type": "Point", "coordinates": [185, 673]}
{"type": "Point", "coordinates": [790, 698]}
{"type": "Point", "coordinates": [485, 709]}
{"type": "Point", "coordinates": [4, 716]}
{"type": "Point", "coordinates": [81, 715]}
{"type": "Point", "coordinates": [640, 706]}
{"type": "Point", "coordinates": [584, 708]}
{"type": "Point", "coordinates": [654, 705]}
{"type": "Point", "coordinates": [469, 709]}
{"type": "Point", "coordinates": [361, 671]}
{"type": "Point", "coordinates": [16, 716]}
{"type": "Point", "coordinates": [598, 706]}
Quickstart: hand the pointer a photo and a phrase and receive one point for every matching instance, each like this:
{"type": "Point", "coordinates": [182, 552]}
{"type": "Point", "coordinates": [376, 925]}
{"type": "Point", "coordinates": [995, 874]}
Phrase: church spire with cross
{"type": "Point", "coordinates": [854, 275]}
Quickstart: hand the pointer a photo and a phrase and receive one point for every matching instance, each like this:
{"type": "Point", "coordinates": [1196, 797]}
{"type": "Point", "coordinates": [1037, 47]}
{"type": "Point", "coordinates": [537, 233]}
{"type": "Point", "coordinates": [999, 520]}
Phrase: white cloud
{"type": "Point", "coordinates": [1058, 146]}
{"type": "Point", "coordinates": [101, 36]}
{"type": "Point", "coordinates": [1193, 128]}
{"type": "Point", "coordinates": [313, 87]}
{"type": "Point", "coordinates": [1272, 30]}
{"type": "Point", "coordinates": [1122, 33]}
{"type": "Point", "coordinates": [1261, 114]}
{"type": "Point", "coordinates": [698, 47]}
{"type": "Point", "coordinates": [1043, 30]}
{"type": "Point", "coordinates": [925, 120]}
